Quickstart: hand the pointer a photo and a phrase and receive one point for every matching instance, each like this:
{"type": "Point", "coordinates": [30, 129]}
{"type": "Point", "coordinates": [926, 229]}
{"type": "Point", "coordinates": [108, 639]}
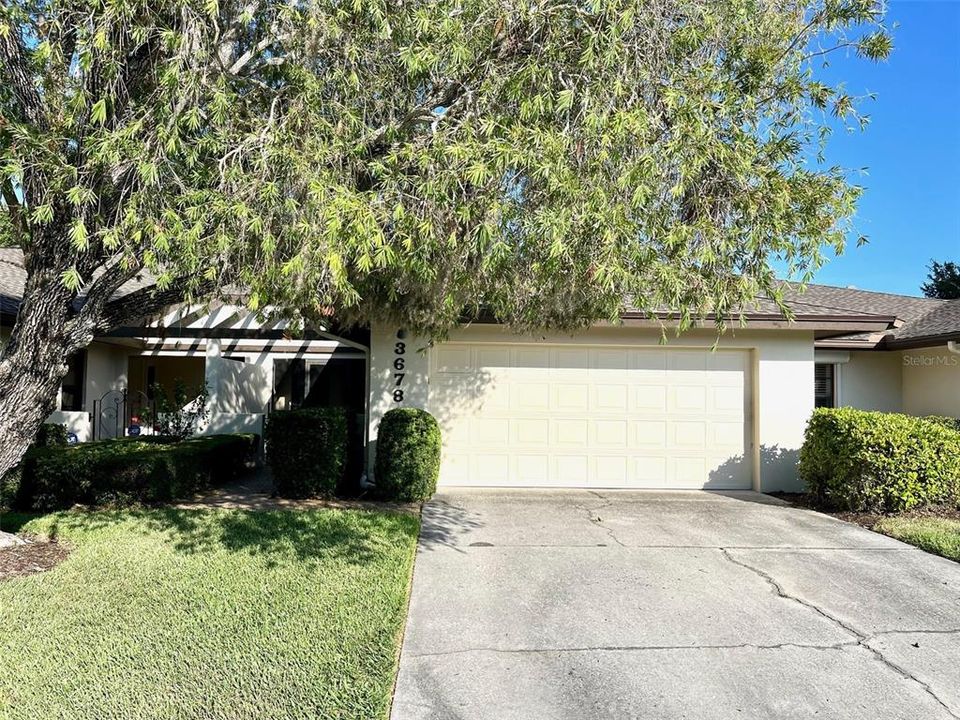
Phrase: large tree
{"type": "Point", "coordinates": [943, 281]}
{"type": "Point", "coordinates": [414, 160]}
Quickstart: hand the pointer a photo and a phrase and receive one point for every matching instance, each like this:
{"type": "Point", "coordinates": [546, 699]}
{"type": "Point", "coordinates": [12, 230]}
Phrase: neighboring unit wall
{"type": "Point", "coordinates": [871, 380]}
{"type": "Point", "coordinates": [931, 382]}
{"type": "Point", "coordinates": [105, 371]}
{"type": "Point", "coordinates": [239, 391]}
{"type": "Point", "coordinates": [782, 377]}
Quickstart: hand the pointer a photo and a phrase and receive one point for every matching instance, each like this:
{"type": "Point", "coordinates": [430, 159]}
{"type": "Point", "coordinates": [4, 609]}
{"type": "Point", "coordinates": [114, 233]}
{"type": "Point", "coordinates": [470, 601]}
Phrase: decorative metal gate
{"type": "Point", "coordinates": [117, 410]}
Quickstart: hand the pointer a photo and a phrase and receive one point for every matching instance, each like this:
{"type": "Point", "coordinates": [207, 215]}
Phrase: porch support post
{"type": "Point", "coordinates": [211, 372]}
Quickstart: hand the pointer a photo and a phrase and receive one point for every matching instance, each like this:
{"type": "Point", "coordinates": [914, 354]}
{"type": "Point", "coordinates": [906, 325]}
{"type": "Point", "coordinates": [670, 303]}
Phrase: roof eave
{"type": "Point", "coordinates": [922, 341]}
{"type": "Point", "coordinates": [764, 321]}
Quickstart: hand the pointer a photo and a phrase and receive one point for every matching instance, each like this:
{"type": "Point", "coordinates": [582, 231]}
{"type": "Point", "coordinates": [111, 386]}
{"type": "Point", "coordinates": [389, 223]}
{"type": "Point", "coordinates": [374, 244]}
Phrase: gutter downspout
{"type": "Point", "coordinates": [953, 347]}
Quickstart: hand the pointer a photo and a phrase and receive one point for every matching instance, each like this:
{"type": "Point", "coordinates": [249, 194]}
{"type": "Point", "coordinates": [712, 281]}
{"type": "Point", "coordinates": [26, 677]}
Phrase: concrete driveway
{"type": "Point", "coordinates": [545, 604]}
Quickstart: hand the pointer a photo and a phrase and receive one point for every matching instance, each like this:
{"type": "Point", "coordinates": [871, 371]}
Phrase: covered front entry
{"type": "Point", "coordinates": [554, 415]}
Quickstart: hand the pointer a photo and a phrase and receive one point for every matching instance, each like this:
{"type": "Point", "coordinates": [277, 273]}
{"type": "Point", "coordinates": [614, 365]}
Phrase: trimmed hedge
{"type": "Point", "coordinates": [951, 423]}
{"type": "Point", "coordinates": [408, 455]}
{"type": "Point", "coordinates": [879, 462]}
{"type": "Point", "coordinates": [51, 435]}
{"type": "Point", "coordinates": [307, 451]}
{"type": "Point", "coordinates": [128, 471]}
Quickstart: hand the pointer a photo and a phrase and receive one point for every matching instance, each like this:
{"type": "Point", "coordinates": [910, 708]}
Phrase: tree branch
{"type": "Point", "coordinates": [242, 61]}
{"type": "Point", "coordinates": [148, 301]}
{"type": "Point", "coordinates": [19, 78]}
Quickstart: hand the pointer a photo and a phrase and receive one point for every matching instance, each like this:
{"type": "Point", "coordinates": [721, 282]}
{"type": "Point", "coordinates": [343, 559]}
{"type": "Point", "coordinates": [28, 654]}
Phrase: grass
{"type": "Point", "coordinates": [934, 534]}
{"type": "Point", "coordinates": [208, 614]}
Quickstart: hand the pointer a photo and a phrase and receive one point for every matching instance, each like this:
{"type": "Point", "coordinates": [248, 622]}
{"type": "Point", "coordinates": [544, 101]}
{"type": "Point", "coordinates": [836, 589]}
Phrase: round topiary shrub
{"type": "Point", "coordinates": [408, 455]}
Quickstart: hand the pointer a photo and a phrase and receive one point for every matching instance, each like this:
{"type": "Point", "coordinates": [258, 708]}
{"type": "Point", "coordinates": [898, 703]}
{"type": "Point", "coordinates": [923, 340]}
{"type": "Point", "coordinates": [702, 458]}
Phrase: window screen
{"type": "Point", "coordinates": [824, 385]}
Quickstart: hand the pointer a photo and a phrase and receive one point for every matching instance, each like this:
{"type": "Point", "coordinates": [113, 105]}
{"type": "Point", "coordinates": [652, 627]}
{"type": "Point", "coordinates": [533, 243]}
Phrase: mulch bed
{"type": "Point", "coordinates": [34, 556]}
{"type": "Point", "coordinates": [867, 520]}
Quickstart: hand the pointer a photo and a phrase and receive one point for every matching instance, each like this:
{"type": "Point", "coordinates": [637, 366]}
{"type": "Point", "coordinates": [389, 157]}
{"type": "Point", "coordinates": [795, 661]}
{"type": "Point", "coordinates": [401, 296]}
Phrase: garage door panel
{"type": "Point", "coordinates": [688, 471]}
{"type": "Point", "coordinates": [683, 435]}
{"type": "Point", "coordinates": [570, 397]}
{"type": "Point", "coordinates": [493, 395]}
{"type": "Point", "coordinates": [570, 433]}
{"type": "Point", "coordinates": [493, 357]}
{"type": "Point", "coordinates": [648, 398]}
{"type": "Point", "coordinates": [609, 397]}
{"type": "Point", "coordinates": [489, 432]}
{"type": "Point", "coordinates": [564, 361]}
{"type": "Point", "coordinates": [610, 433]}
{"type": "Point", "coordinates": [649, 365]}
{"type": "Point", "coordinates": [605, 360]}
{"type": "Point", "coordinates": [533, 469]}
{"type": "Point", "coordinates": [611, 471]}
{"type": "Point", "coordinates": [726, 399]}
{"type": "Point", "coordinates": [649, 434]}
{"type": "Point", "coordinates": [528, 395]}
{"type": "Point", "coordinates": [455, 468]}
{"type": "Point", "coordinates": [569, 470]}
{"type": "Point", "coordinates": [649, 471]}
{"type": "Point", "coordinates": [686, 364]}
{"type": "Point", "coordinates": [587, 416]}
{"type": "Point", "coordinates": [688, 398]}
{"type": "Point", "coordinates": [452, 359]}
{"type": "Point", "coordinates": [526, 432]}
{"type": "Point", "coordinates": [490, 468]}
{"type": "Point", "coordinates": [531, 358]}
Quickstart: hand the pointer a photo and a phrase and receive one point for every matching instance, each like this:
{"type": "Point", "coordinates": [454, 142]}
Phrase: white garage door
{"type": "Point", "coordinates": [591, 416]}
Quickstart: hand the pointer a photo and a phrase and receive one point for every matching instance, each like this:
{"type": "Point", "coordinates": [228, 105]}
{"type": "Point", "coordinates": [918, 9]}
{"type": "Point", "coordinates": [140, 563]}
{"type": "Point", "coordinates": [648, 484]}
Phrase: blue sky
{"type": "Point", "coordinates": [911, 209]}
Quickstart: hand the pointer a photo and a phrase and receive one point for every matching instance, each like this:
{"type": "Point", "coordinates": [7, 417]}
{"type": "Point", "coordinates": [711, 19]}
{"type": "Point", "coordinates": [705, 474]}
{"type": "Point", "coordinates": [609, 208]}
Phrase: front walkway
{"type": "Point", "coordinates": [580, 605]}
{"type": "Point", "coordinates": [255, 492]}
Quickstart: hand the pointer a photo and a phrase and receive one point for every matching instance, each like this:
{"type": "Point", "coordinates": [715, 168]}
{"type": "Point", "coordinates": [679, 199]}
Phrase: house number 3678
{"type": "Point", "coordinates": [399, 365]}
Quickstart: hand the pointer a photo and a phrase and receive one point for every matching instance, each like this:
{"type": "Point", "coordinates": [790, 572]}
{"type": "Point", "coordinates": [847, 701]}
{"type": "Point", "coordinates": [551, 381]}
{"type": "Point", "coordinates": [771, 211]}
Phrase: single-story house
{"type": "Point", "coordinates": [609, 407]}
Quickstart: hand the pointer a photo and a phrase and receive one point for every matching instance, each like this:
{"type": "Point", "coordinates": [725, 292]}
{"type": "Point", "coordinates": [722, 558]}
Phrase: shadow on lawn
{"type": "Point", "coordinates": [277, 536]}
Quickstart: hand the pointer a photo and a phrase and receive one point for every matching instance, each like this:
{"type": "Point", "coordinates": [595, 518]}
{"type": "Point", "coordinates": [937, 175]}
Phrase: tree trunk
{"type": "Point", "coordinates": [33, 364]}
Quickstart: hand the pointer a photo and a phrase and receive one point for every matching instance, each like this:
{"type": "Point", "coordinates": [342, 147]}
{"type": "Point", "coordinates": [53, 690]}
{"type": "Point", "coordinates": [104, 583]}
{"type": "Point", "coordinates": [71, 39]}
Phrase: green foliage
{"type": "Point", "coordinates": [415, 161]}
{"type": "Point", "coordinates": [943, 281]}
{"type": "Point", "coordinates": [51, 435]}
{"type": "Point", "coordinates": [181, 412]}
{"type": "Point", "coordinates": [951, 423]}
{"type": "Point", "coordinates": [209, 615]}
{"type": "Point", "coordinates": [408, 455]}
{"type": "Point", "coordinates": [307, 451]}
{"type": "Point", "coordinates": [879, 462]}
{"type": "Point", "coordinates": [128, 471]}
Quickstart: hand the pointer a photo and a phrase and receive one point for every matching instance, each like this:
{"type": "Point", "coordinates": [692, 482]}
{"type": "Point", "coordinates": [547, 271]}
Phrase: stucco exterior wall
{"type": "Point", "coordinates": [106, 371]}
{"type": "Point", "coordinates": [782, 382]}
{"type": "Point", "coordinates": [931, 382]}
{"type": "Point", "coordinates": [871, 380]}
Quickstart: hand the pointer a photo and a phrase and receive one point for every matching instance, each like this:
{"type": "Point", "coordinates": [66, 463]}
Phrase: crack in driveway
{"type": "Point", "coordinates": [597, 520]}
{"type": "Point", "coordinates": [862, 639]}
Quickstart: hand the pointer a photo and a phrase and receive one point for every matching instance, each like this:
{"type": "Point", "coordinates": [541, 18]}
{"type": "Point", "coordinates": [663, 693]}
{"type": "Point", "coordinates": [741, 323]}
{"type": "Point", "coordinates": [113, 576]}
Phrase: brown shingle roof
{"type": "Point", "coordinates": [921, 317]}
{"type": "Point", "coordinates": [927, 318]}
{"type": "Point", "coordinates": [13, 278]}
{"type": "Point", "coordinates": [941, 320]}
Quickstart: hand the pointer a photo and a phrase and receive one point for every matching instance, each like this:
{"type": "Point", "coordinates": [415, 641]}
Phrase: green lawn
{"type": "Point", "coordinates": [933, 534]}
{"type": "Point", "coordinates": [209, 614]}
